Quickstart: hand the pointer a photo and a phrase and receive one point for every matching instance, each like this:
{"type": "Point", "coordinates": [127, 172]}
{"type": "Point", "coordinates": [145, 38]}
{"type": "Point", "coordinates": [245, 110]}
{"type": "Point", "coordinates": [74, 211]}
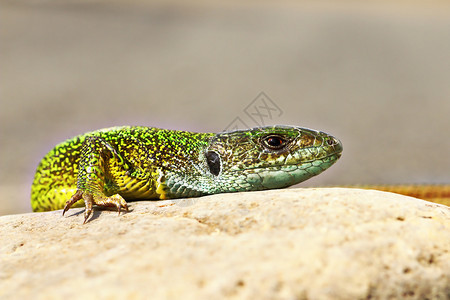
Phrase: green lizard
{"type": "Point", "coordinates": [107, 166]}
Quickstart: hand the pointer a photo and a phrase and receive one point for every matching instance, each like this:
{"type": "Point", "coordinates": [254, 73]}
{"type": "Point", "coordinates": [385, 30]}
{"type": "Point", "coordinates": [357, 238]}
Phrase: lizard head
{"type": "Point", "coordinates": [269, 157]}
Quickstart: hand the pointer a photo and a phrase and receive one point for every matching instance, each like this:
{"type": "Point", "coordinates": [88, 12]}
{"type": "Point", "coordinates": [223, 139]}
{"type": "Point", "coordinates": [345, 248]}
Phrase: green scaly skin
{"type": "Point", "coordinates": [107, 166]}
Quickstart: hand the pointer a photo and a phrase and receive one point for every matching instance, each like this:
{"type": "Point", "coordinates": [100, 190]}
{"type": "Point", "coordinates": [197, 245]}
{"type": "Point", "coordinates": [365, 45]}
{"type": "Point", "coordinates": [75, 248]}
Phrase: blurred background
{"type": "Point", "coordinates": [374, 74]}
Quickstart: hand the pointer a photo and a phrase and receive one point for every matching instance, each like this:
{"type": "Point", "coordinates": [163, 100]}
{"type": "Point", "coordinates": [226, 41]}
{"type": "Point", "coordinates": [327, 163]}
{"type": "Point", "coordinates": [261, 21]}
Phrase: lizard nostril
{"type": "Point", "coordinates": [331, 142]}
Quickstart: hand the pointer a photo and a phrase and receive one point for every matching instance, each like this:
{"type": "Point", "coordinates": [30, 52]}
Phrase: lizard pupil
{"type": "Point", "coordinates": [274, 141]}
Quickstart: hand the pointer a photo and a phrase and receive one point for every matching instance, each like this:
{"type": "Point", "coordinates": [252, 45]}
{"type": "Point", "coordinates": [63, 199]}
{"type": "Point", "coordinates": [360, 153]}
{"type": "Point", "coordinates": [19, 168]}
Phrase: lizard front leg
{"type": "Point", "coordinates": [92, 176]}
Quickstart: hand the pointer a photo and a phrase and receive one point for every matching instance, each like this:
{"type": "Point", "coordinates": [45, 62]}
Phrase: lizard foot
{"type": "Point", "coordinates": [89, 200]}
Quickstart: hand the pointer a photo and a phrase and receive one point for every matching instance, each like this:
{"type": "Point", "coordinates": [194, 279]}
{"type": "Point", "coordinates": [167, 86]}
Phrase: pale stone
{"type": "Point", "coordinates": [280, 244]}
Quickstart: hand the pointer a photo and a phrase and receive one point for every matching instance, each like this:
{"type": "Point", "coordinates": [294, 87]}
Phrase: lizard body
{"type": "Point", "coordinates": [109, 166]}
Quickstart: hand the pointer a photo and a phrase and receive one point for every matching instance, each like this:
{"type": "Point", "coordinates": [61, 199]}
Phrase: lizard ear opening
{"type": "Point", "coordinates": [213, 160]}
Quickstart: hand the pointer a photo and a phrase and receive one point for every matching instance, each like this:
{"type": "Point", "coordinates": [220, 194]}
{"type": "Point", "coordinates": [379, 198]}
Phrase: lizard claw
{"type": "Point", "coordinates": [100, 200]}
{"type": "Point", "coordinates": [75, 198]}
{"type": "Point", "coordinates": [86, 216]}
{"type": "Point", "coordinates": [114, 200]}
{"type": "Point", "coordinates": [124, 206]}
{"type": "Point", "coordinates": [88, 202]}
{"type": "Point", "coordinates": [118, 202]}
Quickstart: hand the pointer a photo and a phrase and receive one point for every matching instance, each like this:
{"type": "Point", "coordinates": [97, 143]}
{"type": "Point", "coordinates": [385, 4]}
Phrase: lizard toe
{"type": "Point", "coordinates": [74, 199]}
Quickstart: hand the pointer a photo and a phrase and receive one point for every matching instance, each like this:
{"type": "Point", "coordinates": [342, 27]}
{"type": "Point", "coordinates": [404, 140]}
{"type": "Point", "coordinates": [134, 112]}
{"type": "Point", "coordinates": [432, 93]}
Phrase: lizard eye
{"type": "Point", "coordinates": [274, 142]}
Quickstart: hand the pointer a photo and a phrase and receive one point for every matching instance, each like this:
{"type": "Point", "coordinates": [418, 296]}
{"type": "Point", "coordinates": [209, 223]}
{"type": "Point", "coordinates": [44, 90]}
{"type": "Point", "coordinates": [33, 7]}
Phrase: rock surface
{"type": "Point", "coordinates": [281, 244]}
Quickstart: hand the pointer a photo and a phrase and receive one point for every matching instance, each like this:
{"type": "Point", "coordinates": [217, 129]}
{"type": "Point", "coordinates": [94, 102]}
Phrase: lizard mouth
{"type": "Point", "coordinates": [329, 158]}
